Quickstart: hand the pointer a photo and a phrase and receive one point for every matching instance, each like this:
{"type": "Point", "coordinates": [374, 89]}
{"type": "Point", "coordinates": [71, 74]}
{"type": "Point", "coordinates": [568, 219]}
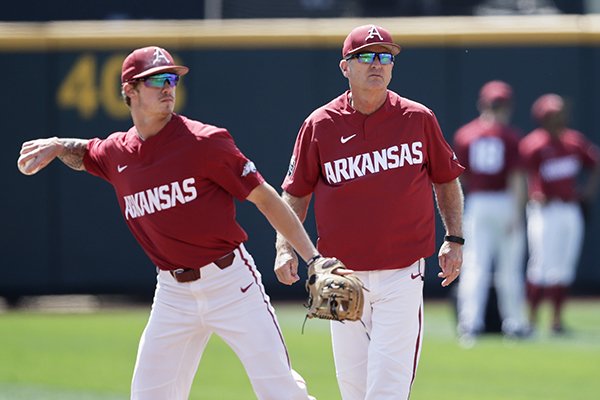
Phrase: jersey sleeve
{"type": "Point", "coordinates": [229, 168]}
{"type": "Point", "coordinates": [304, 169]}
{"type": "Point", "coordinates": [461, 147]}
{"type": "Point", "coordinates": [95, 158]}
{"type": "Point", "coordinates": [590, 153]}
{"type": "Point", "coordinates": [527, 152]}
{"type": "Point", "coordinates": [442, 164]}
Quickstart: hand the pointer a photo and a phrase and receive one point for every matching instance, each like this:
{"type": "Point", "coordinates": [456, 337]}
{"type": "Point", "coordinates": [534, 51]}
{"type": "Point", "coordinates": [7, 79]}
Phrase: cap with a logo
{"type": "Point", "coordinates": [149, 61]}
{"type": "Point", "coordinates": [368, 35]}
{"type": "Point", "coordinates": [545, 105]}
{"type": "Point", "coordinates": [494, 91]}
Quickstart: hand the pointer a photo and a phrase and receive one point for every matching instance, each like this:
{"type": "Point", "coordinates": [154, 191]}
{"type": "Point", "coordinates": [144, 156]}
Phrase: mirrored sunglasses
{"type": "Point", "coordinates": [158, 81]}
{"type": "Point", "coordinates": [369, 58]}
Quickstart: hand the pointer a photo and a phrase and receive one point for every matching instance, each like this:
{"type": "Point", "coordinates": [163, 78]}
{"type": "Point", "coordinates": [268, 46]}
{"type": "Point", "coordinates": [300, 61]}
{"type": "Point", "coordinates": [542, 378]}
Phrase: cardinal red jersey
{"type": "Point", "coordinates": [176, 189]}
{"type": "Point", "coordinates": [554, 163]}
{"type": "Point", "coordinates": [372, 179]}
{"type": "Point", "coordinates": [489, 151]}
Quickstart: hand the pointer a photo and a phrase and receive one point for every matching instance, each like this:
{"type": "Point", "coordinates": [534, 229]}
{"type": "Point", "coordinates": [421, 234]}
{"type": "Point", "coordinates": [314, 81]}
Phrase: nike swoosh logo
{"type": "Point", "coordinates": [415, 276]}
{"type": "Point", "coordinates": [121, 168]}
{"type": "Point", "coordinates": [245, 289]}
{"type": "Point", "coordinates": [345, 139]}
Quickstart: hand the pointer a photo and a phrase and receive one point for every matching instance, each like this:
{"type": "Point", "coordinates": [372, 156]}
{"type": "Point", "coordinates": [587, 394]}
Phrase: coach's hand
{"type": "Point", "coordinates": [450, 259]}
{"type": "Point", "coordinates": [286, 267]}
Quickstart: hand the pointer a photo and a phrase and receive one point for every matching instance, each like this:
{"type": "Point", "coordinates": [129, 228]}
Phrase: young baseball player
{"type": "Point", "coordinates": [555, 156]}
{"type": "Point", "coordinates": [494, 223]}
{"type": "Point", "coordinates": [176, 180]}
{"type": "Point", "coordinates": [371, 158]}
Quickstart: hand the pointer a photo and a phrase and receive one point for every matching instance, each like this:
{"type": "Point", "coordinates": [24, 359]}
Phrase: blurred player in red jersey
{"type": "Point", "coordinates": [176, 180]}
{"type": "Point", "coordinates": [371, 159]}
{"type": "Point", "coordinates": [555, 155]}
{"type": "Point", "coordinates": [494, 181]}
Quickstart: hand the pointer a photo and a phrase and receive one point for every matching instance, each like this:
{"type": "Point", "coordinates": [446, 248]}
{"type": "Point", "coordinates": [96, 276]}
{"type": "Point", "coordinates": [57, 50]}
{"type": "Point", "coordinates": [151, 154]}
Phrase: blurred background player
{"type": "Point", "coordinates": [555, 156]}
{"type": "Point", "coordinates": [494, 216]}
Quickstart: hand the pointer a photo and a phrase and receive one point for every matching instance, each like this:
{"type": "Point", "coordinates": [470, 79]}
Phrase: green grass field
{"type": "Point", "coordinates": [91, 355]}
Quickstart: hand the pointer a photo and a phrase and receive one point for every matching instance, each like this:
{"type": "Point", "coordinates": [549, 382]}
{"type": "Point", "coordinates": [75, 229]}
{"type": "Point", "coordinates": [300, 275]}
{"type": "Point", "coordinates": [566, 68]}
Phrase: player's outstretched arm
{"type": "Point", "coordinates": [37, 154]}
{"type": "Point", "coordinates": [286, 223]}
{"type": "Point", "coordinates": [286, 261]}
{"type": "Point", "coordinates": [450, 201]}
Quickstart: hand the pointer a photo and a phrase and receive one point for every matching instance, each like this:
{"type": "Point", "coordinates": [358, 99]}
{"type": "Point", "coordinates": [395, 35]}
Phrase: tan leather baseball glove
{"type": "Point", "coordinates": [333, 296]}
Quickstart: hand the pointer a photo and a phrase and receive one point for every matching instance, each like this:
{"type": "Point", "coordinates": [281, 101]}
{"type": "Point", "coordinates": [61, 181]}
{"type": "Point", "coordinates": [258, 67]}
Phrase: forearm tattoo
{"type": "Point", "coordinates": [73, 152]}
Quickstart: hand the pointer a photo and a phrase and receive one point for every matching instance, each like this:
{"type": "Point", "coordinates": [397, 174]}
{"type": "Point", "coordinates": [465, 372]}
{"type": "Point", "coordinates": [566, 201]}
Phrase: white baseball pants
{"type": "Point", "coordinates": [493, 238]}
{"type": "Point", "coordinates": [555, 232]}
{"type": "Point", "coordinates": [231, 303]}
{"type": "Point", "coordinates": [378, 361]}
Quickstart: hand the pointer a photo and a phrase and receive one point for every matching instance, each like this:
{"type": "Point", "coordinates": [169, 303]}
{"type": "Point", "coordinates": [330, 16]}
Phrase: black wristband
{"type": "Point", "coordinates": [454, 239]}
{"type": "Point", "coordinates": [313, 259]}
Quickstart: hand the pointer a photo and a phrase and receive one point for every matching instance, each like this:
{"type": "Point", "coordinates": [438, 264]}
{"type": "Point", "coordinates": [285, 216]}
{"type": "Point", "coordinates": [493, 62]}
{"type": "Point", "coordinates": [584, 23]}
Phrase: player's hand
{"type": "Point", "coordinates": [37, 154]}
{"type": "Point", "coordinates": [286, 267]}
{"type": "Point", "coordinates": [450, 260]}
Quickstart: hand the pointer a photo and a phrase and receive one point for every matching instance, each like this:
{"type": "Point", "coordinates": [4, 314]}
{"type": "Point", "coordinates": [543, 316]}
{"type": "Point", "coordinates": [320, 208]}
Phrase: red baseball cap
{"type": "Point", "coordinates": [368, 35]}
{"type": "Point", "coordinates": [545, 105]}
{"type": "Point", "coordinates": [495, 91]}
{"type": "Point", "coordinates": [149, 61]}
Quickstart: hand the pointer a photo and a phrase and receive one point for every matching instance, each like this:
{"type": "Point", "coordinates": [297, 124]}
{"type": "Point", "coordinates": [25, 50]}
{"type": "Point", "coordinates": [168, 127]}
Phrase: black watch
{"type": "Point", "coordinates": [454, 239]}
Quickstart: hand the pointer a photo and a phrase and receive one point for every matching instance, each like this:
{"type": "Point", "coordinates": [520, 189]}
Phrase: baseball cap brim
{"type": "Point", "coordinates": [176, 69]}
{"type": "Point", "coordinates": [392, 47]}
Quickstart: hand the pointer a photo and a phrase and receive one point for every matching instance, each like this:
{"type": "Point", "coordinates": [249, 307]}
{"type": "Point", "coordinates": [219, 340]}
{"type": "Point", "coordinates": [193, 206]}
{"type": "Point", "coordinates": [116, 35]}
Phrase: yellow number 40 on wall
{"type": "Point", "coordinates": [80, 90]}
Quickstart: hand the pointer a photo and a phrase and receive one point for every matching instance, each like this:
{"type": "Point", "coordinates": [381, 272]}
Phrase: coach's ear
{"type": "Point", "coordinates": [344, 67]}
{"type": "Point", "coordinates": [128, 89]}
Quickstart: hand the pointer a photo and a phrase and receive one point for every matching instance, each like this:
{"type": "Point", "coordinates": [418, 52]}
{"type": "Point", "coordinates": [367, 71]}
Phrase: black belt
{"type": "Point", "coordinates": [183, 275]}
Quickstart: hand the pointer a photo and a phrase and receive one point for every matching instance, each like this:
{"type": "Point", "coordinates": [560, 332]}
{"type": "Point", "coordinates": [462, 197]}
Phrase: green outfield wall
{"type": "Point", "coordinates": [63, 232]}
